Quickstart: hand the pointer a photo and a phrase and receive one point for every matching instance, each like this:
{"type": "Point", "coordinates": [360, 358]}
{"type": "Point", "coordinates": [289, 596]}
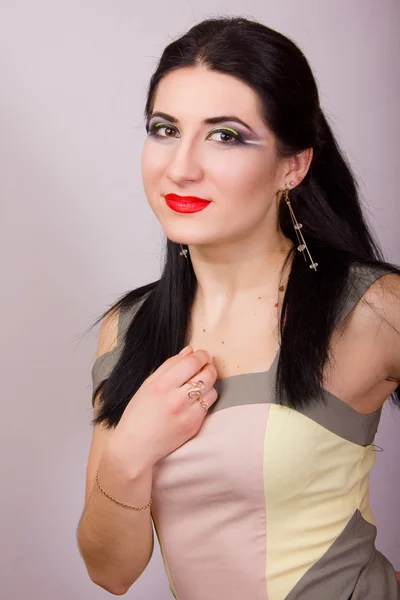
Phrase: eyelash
{"type": "Point", "coordinates": [236, 136]}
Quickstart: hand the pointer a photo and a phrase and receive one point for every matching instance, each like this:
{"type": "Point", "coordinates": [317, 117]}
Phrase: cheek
{"type": "Point", "coordinates": [148, 164]}
{"type": "Point", "coordinates": [148, 174]}
{"type": "Point", "coordinates": [242, 175]}
{"type": "Point", "coordinates": [155, 159]}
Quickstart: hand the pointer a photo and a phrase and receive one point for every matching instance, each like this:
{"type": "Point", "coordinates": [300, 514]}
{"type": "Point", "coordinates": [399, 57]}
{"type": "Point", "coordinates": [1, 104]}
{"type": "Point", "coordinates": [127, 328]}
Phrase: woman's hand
{"type": "Point", "coordinates": [161, 417]}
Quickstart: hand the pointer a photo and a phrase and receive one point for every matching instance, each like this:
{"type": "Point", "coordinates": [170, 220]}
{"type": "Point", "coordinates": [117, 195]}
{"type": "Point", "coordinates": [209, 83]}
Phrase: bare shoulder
{"type": "Point", "coordinates": [385, 290]}
{"type": "Point", "coordinates": [379, 313]}
{"type": "Point", "coordinates": [365, 350]}
{"type": "Point", "coordinates": [107, 341]}
{"type": "Point", "coordinates": [382, 300]}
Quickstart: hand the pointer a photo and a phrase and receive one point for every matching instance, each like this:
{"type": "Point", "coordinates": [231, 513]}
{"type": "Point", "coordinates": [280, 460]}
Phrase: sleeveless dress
{"type": "Point", "coordinates": [267, 502]}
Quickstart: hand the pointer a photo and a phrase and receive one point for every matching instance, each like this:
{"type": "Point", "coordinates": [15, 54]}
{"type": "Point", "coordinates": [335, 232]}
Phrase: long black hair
{"type": "Point", "coordinates": [326, 202]}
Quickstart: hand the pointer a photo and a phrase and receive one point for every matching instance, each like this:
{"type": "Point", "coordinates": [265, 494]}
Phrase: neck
{"type": "Point", "coordinates": [229, 275]}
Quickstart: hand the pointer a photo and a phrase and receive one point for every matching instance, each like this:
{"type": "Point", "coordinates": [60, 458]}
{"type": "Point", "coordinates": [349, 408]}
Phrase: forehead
{"type": "Point", "coordinates": [197, 93]}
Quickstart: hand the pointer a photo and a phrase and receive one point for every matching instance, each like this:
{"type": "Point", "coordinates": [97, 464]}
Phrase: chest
{"type": "Point", "coordinates": [245, 342]}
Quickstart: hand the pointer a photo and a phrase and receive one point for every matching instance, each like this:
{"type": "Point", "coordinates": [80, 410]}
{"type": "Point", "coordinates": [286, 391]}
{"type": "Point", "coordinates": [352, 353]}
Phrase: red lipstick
{"type": "Point", "coordinates": [186, 204]}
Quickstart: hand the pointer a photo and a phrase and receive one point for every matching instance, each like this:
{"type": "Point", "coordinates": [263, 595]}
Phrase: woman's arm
{"type": "Point", "coordinates": [387, 301]}
{"type": "Point", "coordinates": [115, 543]}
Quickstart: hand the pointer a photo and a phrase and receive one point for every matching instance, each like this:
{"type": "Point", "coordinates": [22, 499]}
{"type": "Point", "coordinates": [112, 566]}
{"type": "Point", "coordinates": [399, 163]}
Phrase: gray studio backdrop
{"type": "Point", "coordinates": [76, 232]}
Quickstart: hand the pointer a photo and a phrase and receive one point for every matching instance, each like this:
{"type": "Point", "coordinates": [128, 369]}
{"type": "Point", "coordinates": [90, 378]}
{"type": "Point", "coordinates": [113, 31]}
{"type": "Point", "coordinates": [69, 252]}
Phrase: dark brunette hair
{"type": "Point", "coordinates": [326, 202]}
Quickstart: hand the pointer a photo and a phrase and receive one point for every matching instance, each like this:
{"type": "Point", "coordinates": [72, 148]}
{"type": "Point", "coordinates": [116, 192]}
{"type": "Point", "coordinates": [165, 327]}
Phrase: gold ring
{"type": "Point", "coordinates": [196, 393]}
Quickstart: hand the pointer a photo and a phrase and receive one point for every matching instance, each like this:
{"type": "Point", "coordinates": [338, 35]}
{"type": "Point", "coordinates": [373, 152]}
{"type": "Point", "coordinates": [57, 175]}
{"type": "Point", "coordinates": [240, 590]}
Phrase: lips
{"type": "Point", "coordinates": [186, 204]}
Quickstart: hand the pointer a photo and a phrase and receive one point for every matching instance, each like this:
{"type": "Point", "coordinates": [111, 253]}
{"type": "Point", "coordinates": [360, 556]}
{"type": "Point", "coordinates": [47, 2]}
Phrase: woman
{"type": "Point", "coordinates": [251, 451]}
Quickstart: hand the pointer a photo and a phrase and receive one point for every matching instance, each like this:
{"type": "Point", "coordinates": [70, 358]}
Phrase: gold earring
{"type": "Point", "coordinates": [297, 226]}
{"type": "Point", "coordinates": [184, 252]}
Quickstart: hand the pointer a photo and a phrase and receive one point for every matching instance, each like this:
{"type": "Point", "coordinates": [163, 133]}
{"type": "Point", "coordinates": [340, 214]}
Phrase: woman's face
{"type": "Point", "coordinates": [189, 157]}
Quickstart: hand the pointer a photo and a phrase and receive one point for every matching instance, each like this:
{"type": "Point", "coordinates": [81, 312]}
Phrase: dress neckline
{"type": "Point", "coordinates": [272, 365]}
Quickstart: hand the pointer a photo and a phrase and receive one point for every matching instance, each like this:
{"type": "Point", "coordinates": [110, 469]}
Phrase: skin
{"type": "Point", "coordinates": [236, 246]}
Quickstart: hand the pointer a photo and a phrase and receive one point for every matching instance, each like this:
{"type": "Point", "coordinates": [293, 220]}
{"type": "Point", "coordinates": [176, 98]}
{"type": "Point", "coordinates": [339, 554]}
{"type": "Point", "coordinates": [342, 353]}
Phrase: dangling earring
{"type": "Point", "coordinates": [184, 252]}
{"type": "Point", "coordinates": [297, 226]}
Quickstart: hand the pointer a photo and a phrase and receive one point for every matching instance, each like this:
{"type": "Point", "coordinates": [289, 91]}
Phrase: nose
{"type": "Point", "coordinates": [183, 163]}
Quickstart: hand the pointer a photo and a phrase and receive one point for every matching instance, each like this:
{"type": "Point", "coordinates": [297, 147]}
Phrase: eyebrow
{"type": "Point", "coordinates": [209, 121]}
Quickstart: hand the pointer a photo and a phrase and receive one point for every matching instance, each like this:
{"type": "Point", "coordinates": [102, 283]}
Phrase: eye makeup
{"type": "Point", "coordinates": [235, 135]}
{"type": "Point", "coordinates": [209, 121]}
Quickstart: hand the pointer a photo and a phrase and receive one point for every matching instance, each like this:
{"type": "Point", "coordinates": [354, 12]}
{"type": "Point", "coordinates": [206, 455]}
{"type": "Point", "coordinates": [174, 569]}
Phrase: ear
{"type": "Point", "coordinates": [296, 168]}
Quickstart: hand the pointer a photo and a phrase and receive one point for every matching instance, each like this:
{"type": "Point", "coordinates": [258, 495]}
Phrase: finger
{"type": "Point", "coordinates": [207, 399]}
{"type": "Point", "coordinates": [204, 381]}
{"type": "Point", "coordinates": [168, 364]}
{"type": "Point", "coordinates": [180, 372]}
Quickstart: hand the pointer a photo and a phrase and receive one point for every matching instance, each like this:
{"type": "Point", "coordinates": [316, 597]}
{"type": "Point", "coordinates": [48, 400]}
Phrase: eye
{"type": "Point", "coordinates": [230, 133]}
{"type": "Point", "coordinates": [233, 135]}
{"type": "Point", "coordinates": [154, 129]}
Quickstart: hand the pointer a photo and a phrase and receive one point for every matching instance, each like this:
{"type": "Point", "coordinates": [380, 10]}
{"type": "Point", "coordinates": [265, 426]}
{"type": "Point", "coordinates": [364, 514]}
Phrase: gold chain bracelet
{"type": "Point", "coordinates": [117, 501]}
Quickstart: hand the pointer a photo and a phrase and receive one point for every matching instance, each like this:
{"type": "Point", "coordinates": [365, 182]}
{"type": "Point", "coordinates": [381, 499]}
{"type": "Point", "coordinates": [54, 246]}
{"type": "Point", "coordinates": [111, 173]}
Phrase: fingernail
{"type": "Point", "coordinates": [185, 350]}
